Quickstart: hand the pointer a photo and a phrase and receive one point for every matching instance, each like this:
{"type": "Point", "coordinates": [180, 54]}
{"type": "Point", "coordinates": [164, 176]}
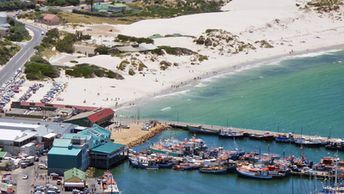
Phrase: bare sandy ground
{"type": "Point", "coordinates": [290, 30]}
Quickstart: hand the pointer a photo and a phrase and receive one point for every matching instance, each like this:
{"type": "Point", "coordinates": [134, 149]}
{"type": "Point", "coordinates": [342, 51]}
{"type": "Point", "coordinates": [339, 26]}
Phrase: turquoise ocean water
{"type": "Point", "coordinates": [304, 92]}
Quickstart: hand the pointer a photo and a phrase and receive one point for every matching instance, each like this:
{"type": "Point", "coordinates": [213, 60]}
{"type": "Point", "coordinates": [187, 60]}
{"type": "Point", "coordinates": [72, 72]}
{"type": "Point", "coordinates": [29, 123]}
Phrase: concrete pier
{"type": "Point", "coordinates": [215, 129]}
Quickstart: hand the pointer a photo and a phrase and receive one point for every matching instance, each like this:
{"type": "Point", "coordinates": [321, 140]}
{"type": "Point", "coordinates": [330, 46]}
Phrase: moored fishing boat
{"type": "Point", "coordinates": [200, 130]}
{"type": "Point", "coordinates": [253, 172]}
{"type": "Point", "coordinates": [214, 169]}
{"type": "Point", "coordinates": [138, 162]}
{"type": "Point", "coordinates": [143, 162]}
{"type": "Point", "coordinates": [339, 189]}
{"type": "Point", "coordinates": [227, 133]}
{"type": "Point", "coordinates": [265, 137]}
{"type": "Point", "coordinates": [186, 166]}
{"type": "Point", "coordinates": [109, 184]}
{"type": "Point", "coordinates": [284, 138]}
{"type": "Point", "coordinates": [171, 147]}
{"type": "Point", "coordinates": [276, 172]}
{"type": "Point", "coordinates": [339, 145]}
{"type": "Point", "coordinates": [308, 142]}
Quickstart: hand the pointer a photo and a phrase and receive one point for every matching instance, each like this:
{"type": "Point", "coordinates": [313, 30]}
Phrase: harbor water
{"type": "Point", "coordinates": [303, 94]}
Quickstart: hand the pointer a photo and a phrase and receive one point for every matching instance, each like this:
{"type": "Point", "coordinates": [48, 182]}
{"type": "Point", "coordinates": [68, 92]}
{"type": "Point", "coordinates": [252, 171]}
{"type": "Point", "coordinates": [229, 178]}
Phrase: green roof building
{"type": "Point", "coordinates": [106, 7]}
{"type": "Point", "coordinates": [74, 175]}
{"type": "Point", "coordinates": [72, 150]}
{"type": "Point", "coordinates": [107, 155]}
{"type": "Point", "coordinates": [74, 179]}
{"type": "Point", "coordinates": [61, 159]}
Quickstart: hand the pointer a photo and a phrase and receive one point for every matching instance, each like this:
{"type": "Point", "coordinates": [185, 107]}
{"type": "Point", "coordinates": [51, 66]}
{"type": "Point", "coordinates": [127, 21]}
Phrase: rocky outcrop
{"type": "Point", "coordinates": [224, 42]}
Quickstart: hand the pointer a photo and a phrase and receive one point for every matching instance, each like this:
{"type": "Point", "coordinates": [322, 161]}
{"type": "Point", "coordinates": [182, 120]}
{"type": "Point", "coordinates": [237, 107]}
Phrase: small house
{"type": "Point", "coordinates": [51, 19]}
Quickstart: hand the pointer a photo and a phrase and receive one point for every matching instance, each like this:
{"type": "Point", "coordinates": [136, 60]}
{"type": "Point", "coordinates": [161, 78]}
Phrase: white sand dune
{"type": "Point", "coordinates": [238, 15]}
{"type": "Point", "coordinates": [294, 32]}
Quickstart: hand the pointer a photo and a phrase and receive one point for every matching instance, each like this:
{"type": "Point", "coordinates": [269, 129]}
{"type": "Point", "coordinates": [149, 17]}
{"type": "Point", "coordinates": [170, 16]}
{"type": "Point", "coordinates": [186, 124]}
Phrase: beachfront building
{"type": "Point", "coordinates": [107, 155]}
{"type": "Point", "coordinates": [100, 117]}
{"type": "Point", "coordinates": [74, 179]}
{"type": "Point", "coordinates": [72, 150]}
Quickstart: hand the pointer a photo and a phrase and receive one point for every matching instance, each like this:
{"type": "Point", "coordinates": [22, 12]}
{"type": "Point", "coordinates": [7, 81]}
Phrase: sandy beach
{"type": "Point", "coordinates": [290, 30]}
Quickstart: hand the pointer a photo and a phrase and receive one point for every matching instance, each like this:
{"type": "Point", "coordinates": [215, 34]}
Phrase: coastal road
{"type": "Point", "coordinates": [22, 56]}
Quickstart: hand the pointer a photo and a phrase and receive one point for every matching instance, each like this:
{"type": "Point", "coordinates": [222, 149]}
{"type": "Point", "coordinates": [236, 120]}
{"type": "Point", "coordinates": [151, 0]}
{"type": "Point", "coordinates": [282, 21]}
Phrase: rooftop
{"type": "Point", "coordinates": [50, 135]}
{"type": "Point", "coordinates": [96, 131]}
{"type": "Point", "coordinates": [41, 126]}
{"type": "Point", "coordinates": [108, 147]}
{"type": "Point", "coordinates": [3, 154]}
{"type": "Point", "coordinates": [94, 115]}
{"type": "Point", "coordinates": [50, 16]}
{"type": "Point", "coordinates": [64, 143]}
{"type": "Point", "coordinates": [64, 151]}
{"type": "Point", "coordinates": [74, 172]}
{"type": "Point", "coordinates": [15, 135]}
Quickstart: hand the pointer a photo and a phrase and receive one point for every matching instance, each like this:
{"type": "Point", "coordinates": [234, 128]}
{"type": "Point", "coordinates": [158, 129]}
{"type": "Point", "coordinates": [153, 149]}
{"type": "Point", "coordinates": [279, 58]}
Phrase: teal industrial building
{"type": "Point", "coordinates": [83, 149]}
{"type": "Point", "coordinates": [107, 155]}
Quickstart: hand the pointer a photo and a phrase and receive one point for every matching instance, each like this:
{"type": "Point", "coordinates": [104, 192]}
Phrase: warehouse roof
{"type": "Point", "coordinates": [15, 135]}
{"type": "Point", "coordinates": [50, 135]}
{"type": "Point", "coordinates": [74, 173]}
{"type": "Point", "coordinates": [106, 112]}
{"type": "Point", "coordinates": [108, 147]}
{"type": "Point", "coordinates": [94, 115]}
{"type": "Point", "coordinates": [64, 151]}
{"type": "Point", "coordinates": [42, 127]}
{"type": "Point", "coordinates": [96, 131]}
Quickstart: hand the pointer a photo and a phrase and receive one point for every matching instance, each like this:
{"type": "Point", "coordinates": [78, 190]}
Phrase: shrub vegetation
{"type": "Point", "coordinates": [90, 71]}
{"type": "Point", "coordinates": [39, 69]}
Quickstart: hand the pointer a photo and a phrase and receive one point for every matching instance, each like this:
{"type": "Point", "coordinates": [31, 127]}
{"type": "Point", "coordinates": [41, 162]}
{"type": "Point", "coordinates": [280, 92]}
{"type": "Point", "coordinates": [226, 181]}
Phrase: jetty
{"type": "Point", "coordinates": [134, 133]}
{"type": "Point", "coordinates": [215, 129]}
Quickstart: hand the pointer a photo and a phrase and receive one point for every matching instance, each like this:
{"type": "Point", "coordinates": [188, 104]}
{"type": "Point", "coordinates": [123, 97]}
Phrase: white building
{"type": "Point", "coordinates": [4, 26]}
{"type": "Point", "coordinates": [21, 136]}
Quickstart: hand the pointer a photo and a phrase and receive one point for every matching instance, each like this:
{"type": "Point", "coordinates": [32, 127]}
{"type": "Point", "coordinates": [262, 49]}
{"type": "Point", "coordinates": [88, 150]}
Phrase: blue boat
{"type": "Point", "coordinates": [284, 139]}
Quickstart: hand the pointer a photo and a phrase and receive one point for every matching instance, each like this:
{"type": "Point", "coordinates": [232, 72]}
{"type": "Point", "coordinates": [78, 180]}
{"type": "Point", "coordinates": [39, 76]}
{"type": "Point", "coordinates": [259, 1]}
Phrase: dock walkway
{"type": "Point", "coordinates": [215, 129]}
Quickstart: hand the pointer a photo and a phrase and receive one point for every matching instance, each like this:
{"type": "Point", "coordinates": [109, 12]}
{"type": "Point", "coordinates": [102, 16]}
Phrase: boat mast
{"type": "Point", "coordinates": [292, 185]}
{"type": "Point", "coordinates": [336, 171]}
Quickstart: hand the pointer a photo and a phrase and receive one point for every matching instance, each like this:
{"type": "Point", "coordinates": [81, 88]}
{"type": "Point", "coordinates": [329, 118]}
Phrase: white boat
{"type": "Point", "coordinates": [109, 184]}
{"type": "Point", "coordinates": [252, 172]}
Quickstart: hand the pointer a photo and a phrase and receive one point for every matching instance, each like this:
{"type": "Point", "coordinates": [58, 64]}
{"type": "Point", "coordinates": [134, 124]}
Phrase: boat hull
{"type": "Point", "coordinates": [232, 136]}
{"type": "Point", "coordinates": [213, 171]}
{"type": "Point", "coordinates": [200, 130]}
{"type": "Point", "coordinates": [253, 175]}
{"type": "Point", "coordinates": [262, 138]}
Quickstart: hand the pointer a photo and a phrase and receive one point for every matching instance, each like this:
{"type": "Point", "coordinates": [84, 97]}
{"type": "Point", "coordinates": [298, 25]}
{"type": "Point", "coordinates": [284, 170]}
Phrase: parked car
{"type": "Point", "coordinates": [25, 177]}
{"type": "Point", "coordinates": [42, 166]}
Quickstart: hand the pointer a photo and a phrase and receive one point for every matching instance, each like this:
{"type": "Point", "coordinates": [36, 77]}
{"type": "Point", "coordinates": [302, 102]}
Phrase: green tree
{"type": "Point", "coordinates": [102, 50]}
{"type": "Point", "coordinates": [18, 32]}
{"type": "Point", "coordinates": [66, 44]}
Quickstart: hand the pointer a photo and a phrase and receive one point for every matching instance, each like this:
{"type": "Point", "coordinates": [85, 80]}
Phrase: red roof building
{"type": "Point", "coordinates": [51, 19]}
{"type": "Point", "coordinates": [87, 119]}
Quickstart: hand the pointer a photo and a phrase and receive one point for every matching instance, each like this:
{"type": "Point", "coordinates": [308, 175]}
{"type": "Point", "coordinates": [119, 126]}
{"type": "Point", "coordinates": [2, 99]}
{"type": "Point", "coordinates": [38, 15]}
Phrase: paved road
{"type": "Point", "coordinates": [22, 56]}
